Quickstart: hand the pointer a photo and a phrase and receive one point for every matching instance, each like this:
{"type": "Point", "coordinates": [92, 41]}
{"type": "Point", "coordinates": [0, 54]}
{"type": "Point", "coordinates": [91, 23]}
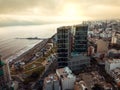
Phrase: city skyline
{"type": "Point", "coordinates": [52, 11]}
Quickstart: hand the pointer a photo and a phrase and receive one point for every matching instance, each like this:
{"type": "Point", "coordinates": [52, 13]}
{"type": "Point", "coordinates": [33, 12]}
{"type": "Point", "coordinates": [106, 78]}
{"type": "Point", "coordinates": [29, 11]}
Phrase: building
{"type": "Point", "coordinates": [111, 64]}
{"type": "Point", "coordinates": [14, 85]}
{"type": "Point", "coordinates": [115, 38]}
{"type": "Point", "coordinates": [113, 53]}
{"type": "Point", "coordinates": [80, 86]}
{"type": "Point", "coordinates": [105, 35]}
{"type": "Point", "coordinates": [91, 50]}
{"type": "Point", "coordinates": [115, 73]}
{"type": "Point", "coordinates": [66, 77]}
{"type": "Point", "coordinates": [118, 38]}
{"type": "Point", "coordinates": [63, 45]}
{"type": "Point", "coordinates": [102, 46]}
{"type": "Point", "coordinates": [89, 80]}
{"type": "Point", "coordinates": [81, 38]}
{"type": "Point", "coordinates": [78, 62]}
{"type": "Point", "coordinates": [6, 82]}
{"type": "Point", "coordinates": [3, 83]}
{"type": "Point", "coordinates": [71, 41]}
{"type": "Point", "coordinates": [51, 83]}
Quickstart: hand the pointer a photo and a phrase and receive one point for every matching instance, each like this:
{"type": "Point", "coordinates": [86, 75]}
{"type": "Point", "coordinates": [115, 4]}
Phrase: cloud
{"type": "Point", "coordinates": [103, 11]}
{"type": "Point", "coordinates": [17, 6]}
{"type": "Point", "coordinates": [51, 9]}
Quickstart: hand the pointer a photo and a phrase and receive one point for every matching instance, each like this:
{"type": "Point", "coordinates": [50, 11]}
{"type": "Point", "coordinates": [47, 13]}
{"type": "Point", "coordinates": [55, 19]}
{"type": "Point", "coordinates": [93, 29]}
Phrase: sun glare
{"type": "Point", "coordinates": [36, 10]}
{"type": "Point", "coordinates": [70, 10]}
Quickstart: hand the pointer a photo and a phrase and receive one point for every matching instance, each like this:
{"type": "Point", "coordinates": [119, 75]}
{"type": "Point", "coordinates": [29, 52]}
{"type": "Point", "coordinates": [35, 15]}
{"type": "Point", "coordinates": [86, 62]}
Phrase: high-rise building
{"type": "Point", "coordinates": [2, 76]}
{"type": "Point", "coordinates": [71, 42]}
{"type": "Point", "coordinates": [102, 46]}
{"type": "Point", "coordinates": [6, 82]}
{"type": "Point", "coordinates": [81, 38]}
{"type": "Point", "coordinates": [63, 45]}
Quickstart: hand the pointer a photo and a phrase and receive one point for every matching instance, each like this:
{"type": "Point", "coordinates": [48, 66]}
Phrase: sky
{"type": "Point", "coordinates": [52, 11]}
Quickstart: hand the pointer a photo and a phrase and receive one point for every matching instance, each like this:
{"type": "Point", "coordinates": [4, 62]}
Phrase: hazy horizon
{"type": "Point", "coordinates": [32, 12]}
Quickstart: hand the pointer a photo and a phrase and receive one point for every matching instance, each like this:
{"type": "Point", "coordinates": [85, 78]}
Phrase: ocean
{"type": "Point", "coordinates": [11, 47]}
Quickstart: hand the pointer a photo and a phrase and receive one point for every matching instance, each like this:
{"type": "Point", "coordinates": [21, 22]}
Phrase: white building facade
{"type": "Point", "coordinates": [111, 64]}
{"type": "Point", "coordinates": [67, 78]}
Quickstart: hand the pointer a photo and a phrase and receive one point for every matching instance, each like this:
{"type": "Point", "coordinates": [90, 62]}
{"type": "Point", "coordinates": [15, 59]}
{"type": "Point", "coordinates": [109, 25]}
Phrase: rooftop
{"type": "Point", "coordinates": [50, 78]}
{"type": "Point", "coordinates": [69, 27]}
{"type": "Point", "coordinates": [118, 35]}
{"type": "Point", "coordinates": [79, 25]}
{"type": "Point", "coordinates": [64, 73]}
{"type": "Point", "coordinates": [80, 85]}
{"type": "Point", "coordinates": [116, 74]}
{"type": "Point", "coordinates": [113, 60]}
{"type": "Point", "coordinates": [114, 51]}
{"type": "Point", "coordinates": [92, 78]}
{"type": "Point", "coordinates": [65, 27]}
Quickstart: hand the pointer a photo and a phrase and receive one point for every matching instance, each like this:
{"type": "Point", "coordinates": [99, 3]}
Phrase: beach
{"type": "Point", "coordinates": [10, 47]}
{"type": "Point", "coordinates": [27, 55]}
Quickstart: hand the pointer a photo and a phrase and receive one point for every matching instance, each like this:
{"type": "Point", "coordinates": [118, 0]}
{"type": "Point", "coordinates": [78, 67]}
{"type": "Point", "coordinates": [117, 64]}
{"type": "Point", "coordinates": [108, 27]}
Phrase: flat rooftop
{"type": "Point", "coordinates": [64, 27]}
{"type": "Point", "coordinates": [116, 74]}
{"type": "Point", "coordinates": [113, 60]}
{"type": "Point", "coordinates": [50, 78]}
{"type": "Point", "coordinates": [92, 78]}
{"type": "Point", "coordinates": [81, 25]}
{"type": "Point", "coordinates": [80, 85]}
{"type": "Point", "coordinates": [64, 73]}
{"type": "Point", "coordinates": [114, 51]}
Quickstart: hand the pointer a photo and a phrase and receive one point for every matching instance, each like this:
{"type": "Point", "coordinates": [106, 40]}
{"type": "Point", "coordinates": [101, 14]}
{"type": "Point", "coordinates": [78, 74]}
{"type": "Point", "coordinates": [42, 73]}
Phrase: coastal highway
{"type": "Point", "coordinates": [50, 68]}
{"type": "Point", "coordinates": [28, 55]}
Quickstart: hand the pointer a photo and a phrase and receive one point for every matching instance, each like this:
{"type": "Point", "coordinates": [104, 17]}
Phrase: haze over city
{"type": "Point", "coordinates": [24, 12]}
{"type": "Point", "coordinates": [59, 44]}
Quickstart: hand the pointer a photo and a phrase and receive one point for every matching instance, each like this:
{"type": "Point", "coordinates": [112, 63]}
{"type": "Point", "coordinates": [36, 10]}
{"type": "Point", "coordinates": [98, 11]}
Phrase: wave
{"type": "Point", "coordinates": [20, 52]}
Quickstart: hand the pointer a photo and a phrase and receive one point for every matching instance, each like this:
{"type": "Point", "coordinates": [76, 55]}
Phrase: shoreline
{"type": "Point", "coordinates": [26, 54]}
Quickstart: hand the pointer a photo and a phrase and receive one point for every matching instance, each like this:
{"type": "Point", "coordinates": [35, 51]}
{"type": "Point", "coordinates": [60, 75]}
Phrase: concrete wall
{"type": "Point", "coordinates": [110, 66]}
{"type": "Point", "coordinates": [68, 83]}
{"type": "Point", "coordinates": [76, 63]}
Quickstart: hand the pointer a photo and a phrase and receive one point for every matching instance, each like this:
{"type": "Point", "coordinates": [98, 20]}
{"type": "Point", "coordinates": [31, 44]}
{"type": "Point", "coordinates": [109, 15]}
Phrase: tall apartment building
{"type": "Point", "coordinates": [2, 76]}
{"type": "Point", "coordinates": [81, 38]}
{"type": "Point", "coordinates": [71, 42]}
{"type": "Point", "coordinates": [5, 79]}
{"type": "Point", "coordinates": [63, 45]}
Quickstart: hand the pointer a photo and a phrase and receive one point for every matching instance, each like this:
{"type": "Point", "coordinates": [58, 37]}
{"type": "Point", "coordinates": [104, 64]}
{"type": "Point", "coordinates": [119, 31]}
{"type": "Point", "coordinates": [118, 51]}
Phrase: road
{"type": "Point", "coordinates": [50, 68]}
